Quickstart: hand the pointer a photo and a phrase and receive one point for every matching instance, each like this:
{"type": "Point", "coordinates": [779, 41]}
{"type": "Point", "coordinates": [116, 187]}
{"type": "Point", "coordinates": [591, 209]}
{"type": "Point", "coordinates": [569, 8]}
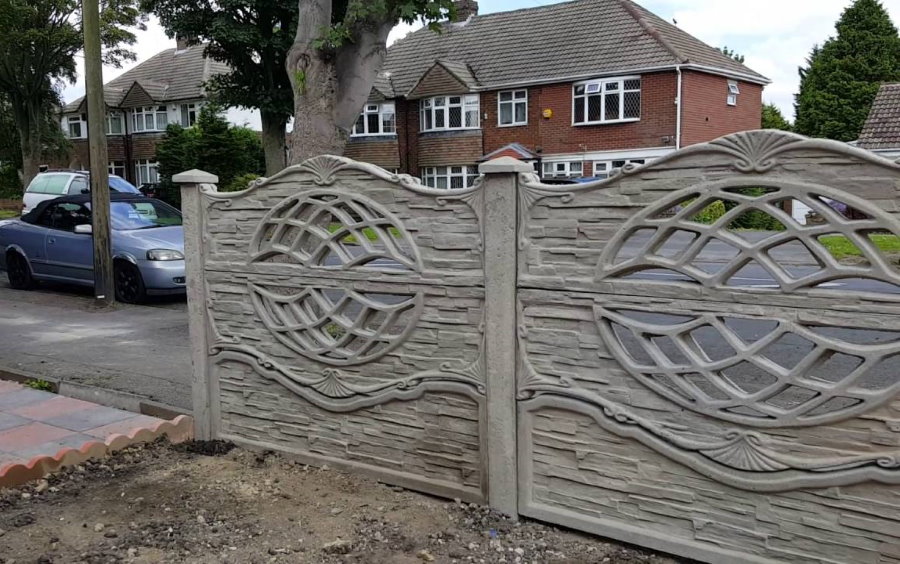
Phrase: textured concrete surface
{"type": "Point", "coordinates": [54, 332]}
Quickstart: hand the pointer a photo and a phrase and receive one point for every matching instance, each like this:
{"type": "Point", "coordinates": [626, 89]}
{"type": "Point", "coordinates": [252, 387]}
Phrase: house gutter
{"type": "Point", "coordinates": [678, 109]}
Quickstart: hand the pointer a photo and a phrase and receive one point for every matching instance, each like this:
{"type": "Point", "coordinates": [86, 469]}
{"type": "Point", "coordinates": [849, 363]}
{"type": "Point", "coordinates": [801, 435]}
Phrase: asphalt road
{"type": "Point", "coordinates": [55, 332]}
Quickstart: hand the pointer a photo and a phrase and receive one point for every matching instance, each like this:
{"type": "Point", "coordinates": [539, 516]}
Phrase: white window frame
{"type": "Point", "coordinates": [140, 115]}
{"type": "Point", "coordinates": [517, 97]}
{"type": "Point", "coordinates": [81, 121]}
{"type": "Point", "coordinates": [146, 172]}
{"type": "Point", "coordinates": [604, 169]}
{"type": "Point", "coordinates": [562, 169]}
{"type": "Point", "coordinates": [733, 91]}
{"type": "Point", "coordinates": [387, 120]}
{"type": "Point", "coordinates": [600, 87]}
{"type": "Point", "coordinates": [432, 175]}
{"type": "Point", "coordinates": [116, 168]}
{"type": "Point", "coordinates": [185, 110]}
{"type": "Point", "coordinates": [110, 118]}
{"type": "Point", "coordinates": [441, 105]}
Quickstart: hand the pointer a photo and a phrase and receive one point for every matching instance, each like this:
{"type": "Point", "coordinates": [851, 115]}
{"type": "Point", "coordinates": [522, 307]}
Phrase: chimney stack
{"type": "Point", "coordinates": [465, 9]}
{"type": "Point", "coordinates": [182, 42]}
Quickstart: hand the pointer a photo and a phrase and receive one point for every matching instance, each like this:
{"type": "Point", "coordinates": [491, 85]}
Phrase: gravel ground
{"type": "Point", "coordinates": [209, 502]}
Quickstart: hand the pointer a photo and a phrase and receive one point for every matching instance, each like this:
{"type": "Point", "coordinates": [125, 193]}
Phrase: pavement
{"type": "Point", "coordinates": [125, 356]}
{"type": "Point", "coordinates": [41, 432]}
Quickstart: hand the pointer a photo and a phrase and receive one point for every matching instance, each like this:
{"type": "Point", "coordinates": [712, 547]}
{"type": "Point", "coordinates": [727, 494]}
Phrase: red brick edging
{"type": "Point", "coordinates": [177, 430]}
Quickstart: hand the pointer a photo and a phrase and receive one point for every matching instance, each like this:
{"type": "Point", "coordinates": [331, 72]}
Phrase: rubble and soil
{"type": "Point", "coordinates": [212, 503]}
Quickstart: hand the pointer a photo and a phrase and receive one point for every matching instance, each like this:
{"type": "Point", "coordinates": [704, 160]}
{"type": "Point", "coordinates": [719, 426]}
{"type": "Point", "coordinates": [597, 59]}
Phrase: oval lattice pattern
{"type": "Point", "coordinates": [337, 326]}
{"type": "Point", "coordinates": [329, 229]}
{"type": "Point", "coordinates": [755, 371]}
{"type": "Point", "coordinates": [731, 236]}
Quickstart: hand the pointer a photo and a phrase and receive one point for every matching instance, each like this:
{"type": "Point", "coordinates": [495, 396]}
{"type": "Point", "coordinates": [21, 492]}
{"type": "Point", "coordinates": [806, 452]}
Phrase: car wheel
{"type": "Point", "coordinates": [129, 283]}
{"type": "Point", "coordinates": [18, 272]}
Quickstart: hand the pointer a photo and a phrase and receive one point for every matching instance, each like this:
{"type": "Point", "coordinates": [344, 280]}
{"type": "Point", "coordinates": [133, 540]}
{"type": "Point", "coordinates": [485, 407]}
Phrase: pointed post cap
{"type": "Point", "coordinates": [504, 164]}
{"type": "Point", "coordinates": [195, 176]}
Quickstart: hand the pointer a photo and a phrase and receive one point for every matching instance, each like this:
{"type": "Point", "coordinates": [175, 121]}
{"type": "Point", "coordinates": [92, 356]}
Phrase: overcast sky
{"type": "Point", "coordinates": [774, 35]}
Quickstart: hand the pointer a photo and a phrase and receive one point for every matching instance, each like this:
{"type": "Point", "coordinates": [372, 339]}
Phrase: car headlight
{"type": "Point", "coordinates": [164, 254]}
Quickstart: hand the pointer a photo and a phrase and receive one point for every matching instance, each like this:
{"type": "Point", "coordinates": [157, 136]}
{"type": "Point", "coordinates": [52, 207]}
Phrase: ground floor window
{"type": "Point", "coordinates": [449, 177]}
{"type": "Point", "coordinates": [563, 169]}
{"type": "Point", "coordinates": [117, 168]}
{"type": "Point", "coordinates": [145, 172]}
{"type": "Point", "coordinates": [602, 169]}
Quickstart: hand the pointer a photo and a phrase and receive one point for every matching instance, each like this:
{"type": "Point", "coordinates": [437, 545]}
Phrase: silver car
{"type": "Point", "coordinates": [53, 242]}
{"type": "Point", "coordinates": [55, 183]}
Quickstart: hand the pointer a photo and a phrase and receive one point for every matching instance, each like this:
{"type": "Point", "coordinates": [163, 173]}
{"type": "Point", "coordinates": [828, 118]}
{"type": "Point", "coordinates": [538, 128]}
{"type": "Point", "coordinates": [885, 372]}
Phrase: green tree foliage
{"type": "Point", "coordinates": [730, 52]}
{"type": "Point", "coordinates": [253, 37]}
{"type": "Point", "coordinates": [38, 43]}
{"type": "Point", "coordinates": [772, 118]}
{"type": "Point", "coordinates": [841, 77]}
{"type": "Point", "coordinates": [212, 145]}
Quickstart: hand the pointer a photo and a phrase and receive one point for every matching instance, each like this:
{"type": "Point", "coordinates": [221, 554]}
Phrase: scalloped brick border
{"type": "Point", "coordinates": [177, 430]}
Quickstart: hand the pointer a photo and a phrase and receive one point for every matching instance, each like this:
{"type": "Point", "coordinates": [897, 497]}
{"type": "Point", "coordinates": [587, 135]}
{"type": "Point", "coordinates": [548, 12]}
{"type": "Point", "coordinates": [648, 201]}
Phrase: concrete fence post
{"type": "Point", "coordinates": [500, 270]}
{"type": "Point", "coordinates": [203, 398]}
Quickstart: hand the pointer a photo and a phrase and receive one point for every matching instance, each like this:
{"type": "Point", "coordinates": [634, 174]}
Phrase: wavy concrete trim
{"type": "Point", "coordinates": [177, 430]}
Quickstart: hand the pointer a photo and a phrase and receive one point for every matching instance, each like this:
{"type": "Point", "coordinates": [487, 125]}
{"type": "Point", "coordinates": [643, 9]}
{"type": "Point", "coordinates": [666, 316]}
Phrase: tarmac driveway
{"type": "Point", "coordinates": [57, 333]}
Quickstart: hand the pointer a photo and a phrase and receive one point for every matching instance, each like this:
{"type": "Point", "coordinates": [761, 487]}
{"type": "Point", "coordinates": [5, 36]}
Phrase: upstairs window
{"type": "Point", "coordinates": [733, 91]}
{"type": "Point", "coordinates": [376, 119]}
{"type": "Point", "coordinates": [512, 108]}
{"type": "Point", "coordinates": [150, 118]}
{"type": "Point", "coordinates": [563, 169]}
{"type": "Point", "coordinates": [76, 126]}
{"type": "Point", "coordinates": [188, 115]}
{"type": "Point", "coordinates": [607, 101]}
{"type": "Point", "coordinates": [115, 124]}
{"type": "Point", "coordinates": [443, 113]}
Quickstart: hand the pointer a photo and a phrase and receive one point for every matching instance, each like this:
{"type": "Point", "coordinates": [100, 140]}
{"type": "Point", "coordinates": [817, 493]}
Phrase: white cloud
{"type": "Point", "coordinates": [775, 36]}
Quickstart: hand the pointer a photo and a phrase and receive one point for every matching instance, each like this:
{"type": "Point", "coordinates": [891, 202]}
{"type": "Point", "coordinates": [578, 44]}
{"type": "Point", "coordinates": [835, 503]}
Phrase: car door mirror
{"type": "Point", "coordinates": [85, 190]}
{"type": "Point", "coordinates": [84, 229]}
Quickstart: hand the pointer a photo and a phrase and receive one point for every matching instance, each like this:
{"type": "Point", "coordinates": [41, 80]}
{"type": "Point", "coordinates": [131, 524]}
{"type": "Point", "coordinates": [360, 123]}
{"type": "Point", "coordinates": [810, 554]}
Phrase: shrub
{"type": "Point", "coordinates": [239, 183]}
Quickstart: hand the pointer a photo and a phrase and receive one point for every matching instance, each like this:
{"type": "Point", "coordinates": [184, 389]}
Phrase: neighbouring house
{"type": "Point", "coordinates": [141, 103]}
{"type": "Point", "coordinates": [881, 133]}
{"type": "Point", "coordinates": [578, 89]}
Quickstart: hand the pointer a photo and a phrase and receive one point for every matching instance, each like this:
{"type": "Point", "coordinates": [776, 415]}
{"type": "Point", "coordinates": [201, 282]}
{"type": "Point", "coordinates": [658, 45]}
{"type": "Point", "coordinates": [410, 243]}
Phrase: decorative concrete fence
{"type": "Point", "coordinates": [619, 357]}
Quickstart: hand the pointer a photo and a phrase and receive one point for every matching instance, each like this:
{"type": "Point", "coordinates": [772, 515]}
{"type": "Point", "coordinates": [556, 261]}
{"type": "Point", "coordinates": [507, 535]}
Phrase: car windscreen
{"type": "Point", "coordinates": [118, 184]}
{"type": "Point", "coordinates": [142, 214]}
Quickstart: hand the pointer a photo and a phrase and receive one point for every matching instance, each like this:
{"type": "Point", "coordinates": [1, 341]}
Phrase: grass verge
{"type": "Point", "coordinates": [7, 214]}
{"type": "Point", "coordinates": [841, 247]}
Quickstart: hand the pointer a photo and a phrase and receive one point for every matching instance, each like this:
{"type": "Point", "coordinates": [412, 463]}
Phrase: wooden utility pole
{"type": "Point", "coordinates": [93, 79]}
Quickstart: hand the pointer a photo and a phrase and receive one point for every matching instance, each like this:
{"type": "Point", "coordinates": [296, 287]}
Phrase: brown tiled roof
{"type": "Point", "coordinates": [882, 128]}
{"type": "Point", "coordinates": [557, 42]}
{"type": "Point", "coordinates": [167, 76]}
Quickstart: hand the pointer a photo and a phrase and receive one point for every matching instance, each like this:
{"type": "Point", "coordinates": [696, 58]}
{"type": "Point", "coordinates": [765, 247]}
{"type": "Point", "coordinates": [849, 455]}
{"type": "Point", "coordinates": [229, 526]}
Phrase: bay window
{"type": "Point", "coordinates": [443, 113]}
{"type": "Point", "coordinates": [512, 107]}
{"type": "Point", "coordinates": [376, 119]}
{"type": "Point", "coordinates": [603, 169]}
{"type": "Point", "coordinates": [150, 118]}
{"type": "Point", "coordinates": [145, 172]}
{"type": "Point", "coordinates": [449, 177]}
{"type": "Point", "coordinates": [606, 101]}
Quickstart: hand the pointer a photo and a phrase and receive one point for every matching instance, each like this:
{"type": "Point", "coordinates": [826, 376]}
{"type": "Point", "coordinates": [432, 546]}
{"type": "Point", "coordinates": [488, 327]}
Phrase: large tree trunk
{"type": "Point", "coordinates": [28, 124]}
{"type": "Point", "coordinates": [273, 141]}
{"type": "Point", "coordinates": [330, 87]}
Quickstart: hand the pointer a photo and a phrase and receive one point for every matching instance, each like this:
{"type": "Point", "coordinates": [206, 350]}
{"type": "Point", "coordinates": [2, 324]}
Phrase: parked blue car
{"type": "Point", "coordinates": [53, 242]}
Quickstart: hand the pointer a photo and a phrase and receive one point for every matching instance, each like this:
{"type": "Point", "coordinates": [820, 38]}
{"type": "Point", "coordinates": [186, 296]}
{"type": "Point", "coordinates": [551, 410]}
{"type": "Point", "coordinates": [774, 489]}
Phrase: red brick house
{"type": "Point", "coordinates": [578, 89]}
{"type": "Point", "coordinates": [166, 88]}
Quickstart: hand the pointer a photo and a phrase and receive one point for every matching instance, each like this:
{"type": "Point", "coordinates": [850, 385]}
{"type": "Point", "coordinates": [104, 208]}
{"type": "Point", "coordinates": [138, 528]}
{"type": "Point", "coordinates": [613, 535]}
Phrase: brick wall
{"type": "Point", "coordinates": [558, 135]}
{"type": "Point", "coordinates": [463, 147]}
{"type": "Point", "coordinates": [707, 116]}
{"type": "Point", "coordinates": [382, 152]}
